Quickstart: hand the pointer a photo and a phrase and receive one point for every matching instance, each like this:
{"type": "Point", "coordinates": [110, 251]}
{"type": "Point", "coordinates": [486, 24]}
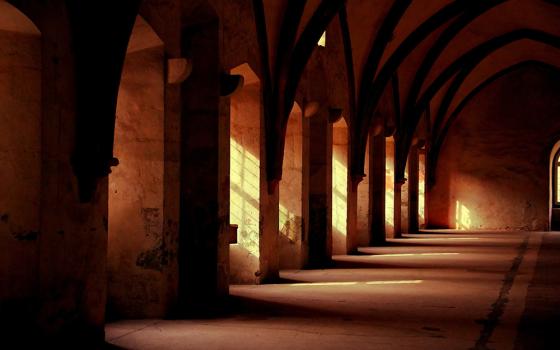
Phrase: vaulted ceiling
{"type": "Point", "coordinates": [433, 54]}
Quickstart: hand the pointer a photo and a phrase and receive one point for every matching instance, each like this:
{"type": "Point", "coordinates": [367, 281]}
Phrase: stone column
{"type": "Point", "coordinates": [397, 213]}
{"type": "Point", "coordinates": [269, 259]}
{"type": "Point", "coordinates": [202, 177]}
{"type": "Point", "coordinates": [413, 189]}
{"type": "Point", "coordinates": [318, 137]}
{"type": "Point", "coordinates": [269, 255]}
{"type": "Point", "coordinates": [377, 189]}
{"type": "Point", "coordinates": [351, 217]}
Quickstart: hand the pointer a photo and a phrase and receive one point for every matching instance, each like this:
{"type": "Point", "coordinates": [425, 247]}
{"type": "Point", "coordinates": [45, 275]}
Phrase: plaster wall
{"type": "Point", "coordinates": [138, 252]}
{"type": "Point", "coordinates": [493, 170]}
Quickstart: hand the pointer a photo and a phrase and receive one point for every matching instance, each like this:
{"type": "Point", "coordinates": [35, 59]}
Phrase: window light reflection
{"type": "Point", "coordinates": [369, 283]}
{"type": "Point", "coordinates": [462, 216]}
{"type": "Point", "coordinates": [411, 254]}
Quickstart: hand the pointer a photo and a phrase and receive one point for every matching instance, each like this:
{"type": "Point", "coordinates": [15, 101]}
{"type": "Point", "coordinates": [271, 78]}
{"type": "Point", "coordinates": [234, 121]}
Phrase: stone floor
{"type": "Point", "coordinates": [436, 290]}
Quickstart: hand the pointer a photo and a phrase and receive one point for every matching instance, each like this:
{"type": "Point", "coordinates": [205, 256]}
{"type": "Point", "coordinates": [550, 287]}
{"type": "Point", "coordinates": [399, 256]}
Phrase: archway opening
{"type": "Point", "coordinates": [137, 256]}
{"type": "Point", "coordinates": [339, 186]}
{"type": "Point", "coordinates": [290, 221]}
{"type": "Point", "coordinates": [245, 177]}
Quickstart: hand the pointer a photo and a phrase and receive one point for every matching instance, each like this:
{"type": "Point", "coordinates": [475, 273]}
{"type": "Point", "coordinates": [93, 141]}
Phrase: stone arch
{"type": "Point", "coordinates": [13, 20]}
{"type": "Point", "coordinates": [441, 134]}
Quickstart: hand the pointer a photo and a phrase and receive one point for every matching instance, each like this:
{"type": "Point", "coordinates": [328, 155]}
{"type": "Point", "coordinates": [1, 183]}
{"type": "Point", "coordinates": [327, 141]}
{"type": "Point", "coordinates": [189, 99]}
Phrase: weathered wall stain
{"type": "Point", "coordinates": [152, 222]}
{"type": "Point", "coordinates": [25, 235]}
{"type": "Point", "coordinates": [159, 256]}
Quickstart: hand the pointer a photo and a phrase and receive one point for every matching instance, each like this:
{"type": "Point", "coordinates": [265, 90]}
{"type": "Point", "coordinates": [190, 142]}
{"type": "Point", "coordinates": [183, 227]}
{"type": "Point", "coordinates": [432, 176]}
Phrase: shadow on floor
{"type": "Point", "coordinates": [541, 319]}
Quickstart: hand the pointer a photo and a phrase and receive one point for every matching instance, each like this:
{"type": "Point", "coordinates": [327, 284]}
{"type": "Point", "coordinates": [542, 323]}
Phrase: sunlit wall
{"type": "Point", "coordinates": [245, 170]}
{"type": "Point", "coordinates": [290, 192]}
{"type": "Point", "coordinates": [422, 189]}
{"type": "Point", "coordinates": [339, 186]}
{"type": "Point", "coordinates": [389, 187]}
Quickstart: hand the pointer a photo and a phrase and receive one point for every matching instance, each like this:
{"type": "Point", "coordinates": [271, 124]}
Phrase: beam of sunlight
{"type": "Point", "coordinates": [447, 238]}
{"type": "Point", "coordinates": [244, 196]}
{"type": "Point", "coordinates": [289, 224]}
{"type": "Point", "coordinates": [394, 282]}
{"type": "Point", "coordinates": [324, 284]}
{"type": "Point", "coordinates": [323, 39]}
{"type": "Point", "coordinates": [339, 196]}
{"type": "Point", "coordinates": [462, 216]}
{"type": "Point", "coordinates": [369, 283]}
{"type": "Point", "coordinates": [410, 254]}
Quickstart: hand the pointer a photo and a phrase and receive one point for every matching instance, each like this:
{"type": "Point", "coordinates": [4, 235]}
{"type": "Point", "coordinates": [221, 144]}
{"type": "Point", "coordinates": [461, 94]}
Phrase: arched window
{"type": "Point", "coordinates": [555, 180]}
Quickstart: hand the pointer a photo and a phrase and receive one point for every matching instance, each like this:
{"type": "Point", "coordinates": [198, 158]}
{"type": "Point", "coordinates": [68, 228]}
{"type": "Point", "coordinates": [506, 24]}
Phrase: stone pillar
{"type": "Point", "coordinates": [351, 206]}
{"type": "Point", "coordinates": [73, 235]}
{"type": "Point", "coordinates": [203, 181]}
{"type": "Point", "coordinates": [413, 161]}
{"type": "Point", "coordinates": [318, 137]}
{"type": "Point", "coordinates": [269, 257]}
{"type": "Point", "coordinates": [269, 244]}
{"type": "Point", "coordinates": [224, 234]}
{"type": "Point", "coordinates": [397, 212]}
{"type": "Point", "coordinates": [351, 217]}
{"type": "Point", "coordinates": [377, 189]}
